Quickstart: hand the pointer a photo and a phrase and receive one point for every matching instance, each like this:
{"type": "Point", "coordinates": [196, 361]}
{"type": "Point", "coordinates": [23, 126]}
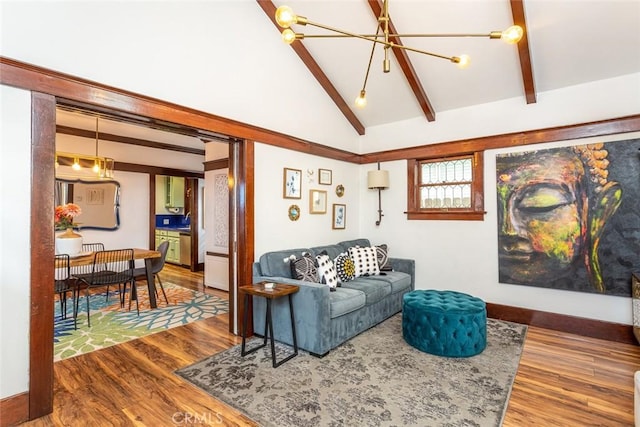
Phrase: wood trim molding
{"type": "Point", "coordinates": [155, 170]}
{"type": "Point", "coordinates": [212, 165]}
{"type": "Point", "coordinates": [218, 254]}
{"type": "Point", "coordinates": [14, 409]}
{"type": "Point", "coordinates": [537, 136]}
{"type": "Point", "coordinates": [83, 133]}
{"type": "Point", "coordinates": [74, 90]}
{"type": "Point", "coordinates": [43, 136]}
{"type": "Point", "coordinates": [560, 322]}
{"type": "Point", "coordinates": [517, 12]}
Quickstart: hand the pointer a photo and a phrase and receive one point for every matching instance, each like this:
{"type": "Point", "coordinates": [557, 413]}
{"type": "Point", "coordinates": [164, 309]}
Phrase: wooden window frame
{"type": "Point", "coordinates": [475, 213]}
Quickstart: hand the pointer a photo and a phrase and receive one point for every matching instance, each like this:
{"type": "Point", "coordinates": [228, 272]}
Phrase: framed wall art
{"type": "Point", "coordinates": [339, 217]}
{"type": "Point", "coordinates": [317, 201]}
{"type": "Point", "coordinates": [292, 183]}
{"type": "Point", "coordinates": [324, 176]}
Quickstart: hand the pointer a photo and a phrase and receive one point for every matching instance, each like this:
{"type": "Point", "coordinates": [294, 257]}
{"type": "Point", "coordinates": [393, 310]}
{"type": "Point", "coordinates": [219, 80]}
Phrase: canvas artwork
{"type": "Point", "coordinates": [569, 218]}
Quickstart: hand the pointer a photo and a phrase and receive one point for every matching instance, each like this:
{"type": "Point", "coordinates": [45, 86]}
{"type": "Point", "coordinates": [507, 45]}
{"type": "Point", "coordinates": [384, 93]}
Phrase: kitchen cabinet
{"type": "Point", "coordinates": [174, 192]}
{"type": "Point", "coordinates": [173, 237]}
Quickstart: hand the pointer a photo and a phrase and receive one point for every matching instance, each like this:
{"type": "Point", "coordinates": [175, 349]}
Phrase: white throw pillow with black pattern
{"type": "Point", "coordinates": [382, 254]}
{"type": "Point", "coordinates": [304, 269]}
{"type": "Point", "coordinates": [365, 260]}
{"type": "Point", "coordinates": [327, 271]}
{"type": "Point", "coordinates": [344, 267]}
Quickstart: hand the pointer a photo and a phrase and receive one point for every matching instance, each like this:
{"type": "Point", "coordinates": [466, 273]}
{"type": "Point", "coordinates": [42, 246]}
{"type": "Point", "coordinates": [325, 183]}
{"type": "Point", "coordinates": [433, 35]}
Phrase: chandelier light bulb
{"type": "Point", "coordinates": [463, 61]}
{"type": "Point", "coordinates": [285, 16]}
{"type": "Point", "coordinates": [513, 34]}
{"type": "Point", "coordinates": [76, 164]}
{"type": "Point", "coordinates": [288, 36]}
{"type": "Point", "coordinates": [96, 167]}
{"type": "Point", "coordinates": [361, 100]}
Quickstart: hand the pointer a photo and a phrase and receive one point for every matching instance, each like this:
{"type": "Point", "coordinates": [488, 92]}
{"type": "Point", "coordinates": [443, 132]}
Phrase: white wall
{"type": "Point", "coordinates": [463, 255]}
{"type": "Point", "coordinates": [604, 99]}
{"type": "Point", "coordinates": [161, 48]}
{"type": "Point", "coordinates": [15, 207]}
{"type": "Point", "coordinates": [274, 230]}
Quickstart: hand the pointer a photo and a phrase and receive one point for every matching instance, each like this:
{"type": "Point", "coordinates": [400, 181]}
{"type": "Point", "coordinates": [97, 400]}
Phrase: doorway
{"type": "Point", "coordinates": [42, 194]}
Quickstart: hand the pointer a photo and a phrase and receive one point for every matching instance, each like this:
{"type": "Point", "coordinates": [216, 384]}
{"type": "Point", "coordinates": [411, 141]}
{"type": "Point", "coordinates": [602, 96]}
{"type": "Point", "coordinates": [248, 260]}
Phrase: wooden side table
{"type": "Point", "coordinates": [279, 290]}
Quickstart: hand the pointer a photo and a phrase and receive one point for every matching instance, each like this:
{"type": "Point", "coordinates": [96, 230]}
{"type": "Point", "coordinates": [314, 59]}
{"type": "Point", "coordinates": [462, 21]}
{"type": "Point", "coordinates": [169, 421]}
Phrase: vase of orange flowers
{"type": "Point", "coordinates": [68, 242]}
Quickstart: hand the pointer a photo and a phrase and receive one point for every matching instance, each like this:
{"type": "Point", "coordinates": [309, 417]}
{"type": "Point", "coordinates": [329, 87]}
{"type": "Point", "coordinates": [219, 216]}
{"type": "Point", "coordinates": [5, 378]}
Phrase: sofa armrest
{"type": "Point", "coordinates": [311, 306]}
{"type": "Point", "coordinates": [405, 265]}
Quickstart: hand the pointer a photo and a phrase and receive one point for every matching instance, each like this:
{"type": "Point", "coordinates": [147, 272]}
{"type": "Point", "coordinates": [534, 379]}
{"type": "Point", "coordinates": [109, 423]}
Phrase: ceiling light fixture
{"type": "Point", "coordinates": [83, 166]}
{"type": "Point", "coordinates": [285, 17]}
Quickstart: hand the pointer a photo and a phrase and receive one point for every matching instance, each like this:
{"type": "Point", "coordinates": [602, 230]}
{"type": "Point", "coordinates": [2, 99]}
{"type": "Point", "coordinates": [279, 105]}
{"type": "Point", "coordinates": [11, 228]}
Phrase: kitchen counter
{"type": "Point", "coordinates": [182, 230]}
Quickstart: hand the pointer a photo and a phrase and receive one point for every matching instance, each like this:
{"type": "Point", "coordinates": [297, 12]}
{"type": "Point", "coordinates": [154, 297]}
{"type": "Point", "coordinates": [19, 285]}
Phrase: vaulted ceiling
{"type": "Point", "coordinates": [566, 43]}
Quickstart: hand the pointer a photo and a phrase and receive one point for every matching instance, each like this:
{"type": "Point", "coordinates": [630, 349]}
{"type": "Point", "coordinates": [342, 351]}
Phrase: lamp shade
{"type": "Point", "coordinates": [378, 179]}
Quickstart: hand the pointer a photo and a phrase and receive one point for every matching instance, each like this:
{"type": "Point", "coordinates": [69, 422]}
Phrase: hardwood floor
{"type": "Point", "coordinates": [562, 379]}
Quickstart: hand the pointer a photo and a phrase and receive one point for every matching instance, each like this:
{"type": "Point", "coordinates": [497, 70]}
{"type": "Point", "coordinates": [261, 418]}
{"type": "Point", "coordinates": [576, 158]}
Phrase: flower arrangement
{"type": "Point", "coordinates": [65, 214]}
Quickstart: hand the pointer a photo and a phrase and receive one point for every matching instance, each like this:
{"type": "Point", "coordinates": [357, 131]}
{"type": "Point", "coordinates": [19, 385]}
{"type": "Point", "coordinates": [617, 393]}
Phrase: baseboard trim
{"type": "Point", "coordinates": [560, 322]}
{"type": "Point", "coordinates": [14, 409]}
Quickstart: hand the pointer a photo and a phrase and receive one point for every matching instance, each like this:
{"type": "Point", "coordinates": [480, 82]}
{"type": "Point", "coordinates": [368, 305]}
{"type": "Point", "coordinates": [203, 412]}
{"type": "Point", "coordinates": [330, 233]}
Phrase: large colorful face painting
{"type": "Point", "coordinates": [569, 218]}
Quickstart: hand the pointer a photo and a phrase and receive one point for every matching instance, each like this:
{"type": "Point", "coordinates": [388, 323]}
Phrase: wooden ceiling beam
{"type": "Point", "coordinates": [270, 10]}
{"type": "Point", "coordinates": [402, 57]}
{"type": "Point", "coordinates": [517, 11]}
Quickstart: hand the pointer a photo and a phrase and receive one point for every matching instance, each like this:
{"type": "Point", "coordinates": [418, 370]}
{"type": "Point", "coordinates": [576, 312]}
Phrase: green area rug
{"type": "Point", "coordinates": [375, 379]}
{"type": "Point", "coordinates": [112, 325]}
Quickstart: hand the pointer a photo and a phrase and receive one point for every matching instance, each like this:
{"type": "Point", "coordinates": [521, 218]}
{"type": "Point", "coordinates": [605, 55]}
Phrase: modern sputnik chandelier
{"type": "Point", "coordinates": [285, 17]}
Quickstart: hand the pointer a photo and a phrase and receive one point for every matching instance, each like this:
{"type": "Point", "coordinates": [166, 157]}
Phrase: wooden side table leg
{"type": "Point", "coordinates": [293, 327]}
{"type": "Point", "coordinates": [245, 320]}
{"type": "Point", "coordinates": [270, 329]}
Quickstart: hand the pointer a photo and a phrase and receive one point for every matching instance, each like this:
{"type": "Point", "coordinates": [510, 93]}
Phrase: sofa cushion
{"type": "Point", "coordinates": [365, 260]}
{"type": "Point", "coordinates": [331, 250]}
{"type": "Point", "coordinates": [304, 268]}
{"type": "Point", "coordinates": [327, 271]}
{"type": "Point", "coordinates": [351, 243]}
{"type": "Point", "coordinates": [345, 267]}
{"type": "Point", "coordinates": [344, 301]}
{"type": "Point", "coordinates": [399, 281]}
{"type": "Point", "coordinates": [276, 264]}
{"type": "Point", "coordinates": [374, 290]}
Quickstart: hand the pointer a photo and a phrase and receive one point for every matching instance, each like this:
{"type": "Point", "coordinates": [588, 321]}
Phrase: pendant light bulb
{"type": "Point", "coordinates": [361, 100]}
{"type": "Point", "coordinates": [76, 164]}
{"type": "Point", "coordinates": [513, 34]}
{"type": "Point", "coordinates": [96, 167]}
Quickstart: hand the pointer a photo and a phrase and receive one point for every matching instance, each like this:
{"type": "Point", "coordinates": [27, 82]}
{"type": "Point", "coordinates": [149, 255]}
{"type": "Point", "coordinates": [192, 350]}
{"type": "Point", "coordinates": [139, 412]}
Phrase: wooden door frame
{"type": "Point", "coordinates": [47, 86]}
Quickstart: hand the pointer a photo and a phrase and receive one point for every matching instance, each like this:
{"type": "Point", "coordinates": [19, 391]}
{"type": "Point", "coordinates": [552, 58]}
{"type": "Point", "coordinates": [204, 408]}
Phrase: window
{"type": "Point", "coordinates": [446, 188]}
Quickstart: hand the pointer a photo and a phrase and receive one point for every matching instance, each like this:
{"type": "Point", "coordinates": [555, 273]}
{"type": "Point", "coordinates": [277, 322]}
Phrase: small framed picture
{"type": "Point", "coordinates": [292, 183]}
{"type": "Point", "coordinates": [317, 201]}
{"type": "Point", "coordinates": [339, 217]}
{"type": "Point", "coordinates": [324, 176]}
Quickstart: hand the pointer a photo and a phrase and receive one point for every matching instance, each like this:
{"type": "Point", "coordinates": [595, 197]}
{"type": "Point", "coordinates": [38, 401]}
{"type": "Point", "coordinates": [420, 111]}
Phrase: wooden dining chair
{"type": "Point", "coordinates": [157, 264]}
{"type": "Point", "coordinates": [109, 267]}
{"type": "Point", "coordinates": [64, 283]}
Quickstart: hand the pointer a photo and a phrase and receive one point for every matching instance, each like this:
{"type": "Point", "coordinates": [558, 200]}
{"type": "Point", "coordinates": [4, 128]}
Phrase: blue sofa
{"type": "Point", "coordinates": [326, 319]}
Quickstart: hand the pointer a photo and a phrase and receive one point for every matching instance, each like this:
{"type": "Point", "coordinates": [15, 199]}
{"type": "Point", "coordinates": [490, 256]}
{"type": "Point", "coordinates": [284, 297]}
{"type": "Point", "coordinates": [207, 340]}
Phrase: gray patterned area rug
{"type": "Point", "coordinates": [374, 379]}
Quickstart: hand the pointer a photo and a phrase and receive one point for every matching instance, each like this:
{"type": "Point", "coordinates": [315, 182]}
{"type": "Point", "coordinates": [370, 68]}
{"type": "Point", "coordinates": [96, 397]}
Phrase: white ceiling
{"type": "Point", "coordinates": [571, 42]}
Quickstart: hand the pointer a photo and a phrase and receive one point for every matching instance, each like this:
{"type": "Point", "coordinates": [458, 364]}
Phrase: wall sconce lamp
{"type": "Point", "coordinates": [378, 179]}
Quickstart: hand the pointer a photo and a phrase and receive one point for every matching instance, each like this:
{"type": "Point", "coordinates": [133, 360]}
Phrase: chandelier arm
{"type": "Point", "coordinates": [369, 36]}
{"type": "Point", "coordinates": [373, 48]}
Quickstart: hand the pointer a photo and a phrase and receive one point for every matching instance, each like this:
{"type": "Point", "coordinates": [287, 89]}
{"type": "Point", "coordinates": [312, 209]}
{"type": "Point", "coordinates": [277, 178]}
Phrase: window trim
{"type": "Point", "coordinates": [475, 213]}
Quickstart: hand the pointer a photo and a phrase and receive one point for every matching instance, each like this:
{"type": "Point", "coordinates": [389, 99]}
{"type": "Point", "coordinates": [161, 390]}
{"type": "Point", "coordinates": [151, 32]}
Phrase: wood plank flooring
{"type": "Point", "coordinates": [562, 380]}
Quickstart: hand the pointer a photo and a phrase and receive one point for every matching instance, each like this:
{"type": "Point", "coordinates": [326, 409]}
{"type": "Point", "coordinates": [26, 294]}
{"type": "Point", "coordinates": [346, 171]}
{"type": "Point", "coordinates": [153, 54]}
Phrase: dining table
{"type": "Point", "coordinates": [147, 255]}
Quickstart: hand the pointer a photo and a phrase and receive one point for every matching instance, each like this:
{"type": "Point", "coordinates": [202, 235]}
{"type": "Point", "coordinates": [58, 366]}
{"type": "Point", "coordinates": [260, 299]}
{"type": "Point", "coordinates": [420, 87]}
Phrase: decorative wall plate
{"type": "Point", "coordinates": [340, 190]}
{"type": "Point", "coordinates": [294, 212]}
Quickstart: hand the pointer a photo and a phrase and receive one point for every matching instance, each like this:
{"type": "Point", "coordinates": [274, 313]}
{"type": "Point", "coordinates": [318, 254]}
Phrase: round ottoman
{"type": "Point", "coordinates": [445, 323]}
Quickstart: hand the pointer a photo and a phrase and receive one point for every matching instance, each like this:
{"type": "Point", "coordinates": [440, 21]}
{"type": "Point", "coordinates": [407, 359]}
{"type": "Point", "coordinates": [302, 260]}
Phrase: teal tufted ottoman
{"type": "Point", "coordinates": [445, 323]}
